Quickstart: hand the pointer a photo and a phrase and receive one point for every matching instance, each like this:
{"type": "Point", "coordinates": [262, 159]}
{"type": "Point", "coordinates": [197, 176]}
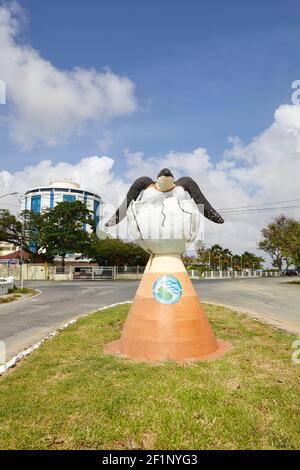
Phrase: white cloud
{"type": "Point", "coordinates": [105, 141]}
{"type": "Point", "coordinates": [216, 184]}
{"type": "Point", "coordinates": [49, 104]}
{"type": "Point", "coordinates": [265, 170]}
{"type": "Point", "coordinates": [93, 173]}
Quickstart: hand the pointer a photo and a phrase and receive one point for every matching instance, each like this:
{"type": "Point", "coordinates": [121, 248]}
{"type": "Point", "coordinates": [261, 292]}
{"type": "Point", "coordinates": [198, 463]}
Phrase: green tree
{"type": "Point", "coordinates": [217, 257]}
{"type": "Point", "coordinates": [294, 245]}
{"type": "Point", "coordinates": [281, 240]}
{"type": "Point", "coordinates": [190, 260]}
{"type": "Point", "coordinates": [226, 257]}
{"type": "Point", "coordinates": [23, 230]}
{"type": "Point", "coordinates": [251, 261]}
{"type": "Point", "coordinates": [296, 258]}
{"type": "Point", "coordinates": [63, 229]}
{"type": "Point", "coordinates": [116, 252]}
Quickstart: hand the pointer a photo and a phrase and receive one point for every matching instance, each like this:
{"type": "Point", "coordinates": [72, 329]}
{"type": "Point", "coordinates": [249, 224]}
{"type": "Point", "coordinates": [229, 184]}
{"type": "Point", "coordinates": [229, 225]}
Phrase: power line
{"type": "Point", "coordinates": [255, 211]}
{"type": "Point", "coordinates": [258, 205]}
{"type": "Point", "coordinates": [261, 209]}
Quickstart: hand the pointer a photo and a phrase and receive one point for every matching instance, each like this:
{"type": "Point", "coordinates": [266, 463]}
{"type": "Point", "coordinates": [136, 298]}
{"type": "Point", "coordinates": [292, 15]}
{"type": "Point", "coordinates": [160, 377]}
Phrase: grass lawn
{"type": "Point", "coordinates": [16, 293]}
{"type": "Point", "coordinates": [68, 395]}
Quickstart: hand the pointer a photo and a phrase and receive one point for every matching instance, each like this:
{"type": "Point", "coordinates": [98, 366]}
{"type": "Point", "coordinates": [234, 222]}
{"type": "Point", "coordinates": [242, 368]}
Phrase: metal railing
{"type": "Point", "coordinates": [130, 269]}
{"type": "Point", "coordinates": [62, 269]}
{"type": "Point", "coordinates": [93, 273]}
{"type": "Point", "coordinates": [6, 285]}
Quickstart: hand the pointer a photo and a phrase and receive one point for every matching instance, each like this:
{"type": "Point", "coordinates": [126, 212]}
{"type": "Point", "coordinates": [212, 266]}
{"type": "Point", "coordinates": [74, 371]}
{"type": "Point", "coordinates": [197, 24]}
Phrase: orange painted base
{"type": "Point", "coordinates": [158, 332]}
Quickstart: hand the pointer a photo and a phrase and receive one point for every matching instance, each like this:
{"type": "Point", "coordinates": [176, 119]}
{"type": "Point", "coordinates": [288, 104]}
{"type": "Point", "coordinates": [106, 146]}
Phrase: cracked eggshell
{"type": "Point", "coordinates": [163, 227]}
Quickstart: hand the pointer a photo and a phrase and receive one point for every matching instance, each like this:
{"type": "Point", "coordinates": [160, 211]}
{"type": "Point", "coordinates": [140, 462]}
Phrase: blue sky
{"type": "Point", "coordinates": [103, 92]}
{"type": "Point", "coordinates": [203, 70]}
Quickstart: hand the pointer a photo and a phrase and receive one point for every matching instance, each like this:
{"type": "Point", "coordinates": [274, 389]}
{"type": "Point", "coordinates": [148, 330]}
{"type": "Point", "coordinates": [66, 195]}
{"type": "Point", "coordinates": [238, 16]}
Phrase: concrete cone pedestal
{"type": "Point", "coordinates": [166, 320]}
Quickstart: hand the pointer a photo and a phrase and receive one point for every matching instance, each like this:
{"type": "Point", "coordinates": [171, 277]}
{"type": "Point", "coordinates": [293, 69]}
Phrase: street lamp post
{"type": "Point", "coordinates": [15, 193]}
{"type": "Point", "coordinates": [22, 219]}
{"type": "Point", "coordinates": [8, 194]}
{"type": "Point", "coordinates": [21, 257]}
{"type": "Point", "coordinates": [21, 238]}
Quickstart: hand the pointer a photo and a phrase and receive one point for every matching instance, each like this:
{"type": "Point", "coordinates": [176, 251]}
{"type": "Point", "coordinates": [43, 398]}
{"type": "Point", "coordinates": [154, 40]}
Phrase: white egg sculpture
{"type": "Point", "coordinates": [166, 320]}
{"type": "Point", "coordinates": [167, 226]}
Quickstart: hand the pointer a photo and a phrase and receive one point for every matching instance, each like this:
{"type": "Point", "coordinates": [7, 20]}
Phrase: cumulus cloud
{"type": "Point", "coordinates": [216, 183]}
{"type": "Point", "coordinates": [92, 173]}
{"type": "Point", "coordinates": [49, 104]}
{"type": "Point", "coordinates": [265, 170]}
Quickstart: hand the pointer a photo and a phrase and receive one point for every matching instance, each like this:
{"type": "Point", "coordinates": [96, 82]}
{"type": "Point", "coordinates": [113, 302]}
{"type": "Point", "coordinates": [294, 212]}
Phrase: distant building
{"type": "Point", "coordinates": [10, 252]}
{"type": "Point", "coordinates": [46, 197]}
{"type": "Point", "coordinates": [7, 248]}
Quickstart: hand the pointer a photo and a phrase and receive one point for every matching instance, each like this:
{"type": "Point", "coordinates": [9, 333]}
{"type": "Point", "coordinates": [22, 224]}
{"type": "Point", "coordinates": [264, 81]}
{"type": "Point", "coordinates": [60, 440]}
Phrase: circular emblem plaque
{"type": "Point", "coordinates": [167, 289]}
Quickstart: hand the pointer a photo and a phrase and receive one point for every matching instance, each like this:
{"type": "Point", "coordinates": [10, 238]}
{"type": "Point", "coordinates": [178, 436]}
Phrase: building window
{"type": "Point", "coordinates": [36, 204]}
{"type": "Point", "coordinates": [85, 203]}
{"type": "Point", "coordinates": [69, 198]}
{"type": "Point", "coordinates": [51, 199]}
{"type": "Point", "coordinates": [96, 211]}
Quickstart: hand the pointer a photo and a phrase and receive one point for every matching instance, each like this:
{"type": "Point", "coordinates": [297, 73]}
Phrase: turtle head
{"type": "Point", "coordinates": [165, 180]}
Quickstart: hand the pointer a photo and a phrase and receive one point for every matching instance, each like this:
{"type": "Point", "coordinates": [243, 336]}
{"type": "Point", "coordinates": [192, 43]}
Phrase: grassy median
{"type": "Point", "coordinates": [69, 395]}
{"type": "Point", "coordinates": [16, 293]}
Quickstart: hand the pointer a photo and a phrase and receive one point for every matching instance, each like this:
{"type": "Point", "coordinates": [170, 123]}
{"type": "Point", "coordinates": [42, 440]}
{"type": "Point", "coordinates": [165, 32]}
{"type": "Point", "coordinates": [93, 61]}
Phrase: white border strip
{"type": "Point", "coordinates": [270, 320]}
{"type": "Point", "coordinates": [255, 316]}
{"type": "Point", "coordinates": [4, 368]}
{"type": "Point", "coordinates": [23, 298]}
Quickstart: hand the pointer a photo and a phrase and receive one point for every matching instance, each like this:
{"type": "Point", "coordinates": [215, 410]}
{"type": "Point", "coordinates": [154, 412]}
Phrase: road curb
{"type": "Point", "coordinates": [23, 298]}
{"type": "Point", "coordinates": [16, 359]}
{"type": "Point", "coordinates": [289, 327]}
{"type": "Point", "coordinates": [278, 324]}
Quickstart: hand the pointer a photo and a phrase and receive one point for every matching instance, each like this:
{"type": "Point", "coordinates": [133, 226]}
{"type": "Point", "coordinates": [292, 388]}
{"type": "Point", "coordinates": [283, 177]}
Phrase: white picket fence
{"type": "Point", "coordinates": [6, 284]}
{"type": "Point", "coordinates": [194, 274]}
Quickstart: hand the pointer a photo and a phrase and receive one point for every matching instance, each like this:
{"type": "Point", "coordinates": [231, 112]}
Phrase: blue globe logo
{"type": "Point", "coordinates": [167, 289]}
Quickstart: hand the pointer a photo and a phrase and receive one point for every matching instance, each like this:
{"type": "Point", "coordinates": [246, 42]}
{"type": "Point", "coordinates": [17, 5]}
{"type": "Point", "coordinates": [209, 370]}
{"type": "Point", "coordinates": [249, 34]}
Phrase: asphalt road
{"type": "Point", "coordinates": [22, 323]}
